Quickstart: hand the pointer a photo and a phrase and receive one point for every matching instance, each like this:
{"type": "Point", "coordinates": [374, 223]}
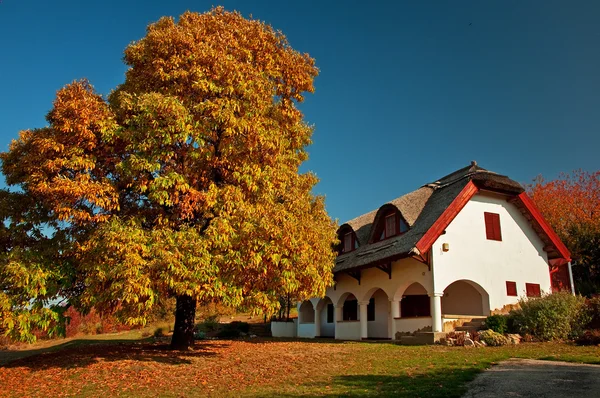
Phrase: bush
{"type": "Point", "coordinates": [210, 324]}
{"type": "Point", "coordinates": [497, 323]}
{"type": "Point", "coordinates": [233, 329]}
{"type": "Point", "coordinates": [594, 312]}
{"type": "Point", "coordinates": [493, 338]}
{"type": "Point", "coordinates": [557, 316]}
{"type": "Point", "coordinates": [159, 332]}
{"type": "Point", "coordinates": [590, 337]}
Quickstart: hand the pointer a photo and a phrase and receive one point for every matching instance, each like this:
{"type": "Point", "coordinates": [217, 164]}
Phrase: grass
{"type": "Point", "coordinates": [264, 368]}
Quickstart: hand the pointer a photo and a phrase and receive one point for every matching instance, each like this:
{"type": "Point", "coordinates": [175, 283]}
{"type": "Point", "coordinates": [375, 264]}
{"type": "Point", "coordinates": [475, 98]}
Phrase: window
{"type": "Point", "coordinates": [350, 310]}
{"type": "Point", "coordinates": [492, 226]}
{"type": "Point", "coordinates": [415, 305]}
{"type": "Point", "coordinates": [533, 289]}
{"type": "Point", "coordinates": [511, 288]}
{"type": "Point", "coordinates": [390, 225]}
{"type": "Point", "coordinates": [371, 310]}
{"type": "Point", "coordinates": [348, 246]}
{"type": "Point", "coordinates": [330, 312]}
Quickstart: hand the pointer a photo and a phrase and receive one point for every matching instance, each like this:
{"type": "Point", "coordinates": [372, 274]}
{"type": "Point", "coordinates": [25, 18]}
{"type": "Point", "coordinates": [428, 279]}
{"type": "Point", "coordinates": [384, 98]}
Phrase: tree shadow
{"type": "Point", "coordinates": [83, 353]}
{"type": "Point", "coordinates": [445, 383]}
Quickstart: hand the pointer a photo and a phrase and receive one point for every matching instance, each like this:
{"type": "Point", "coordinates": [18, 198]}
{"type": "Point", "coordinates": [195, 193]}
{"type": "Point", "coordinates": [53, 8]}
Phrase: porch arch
{"type": "Point", "coordinates": [326, 311]}
{"type": "Point", "coordinates": [349, 306]}
{"type": "Point", "coordinates": [465, 297]}
{"type": "Point", "coordinates": [415, 300]}
{"type": "Point", "coordinates": [306, 312]}
{"type": "Point", "coordinates": [378, 313]}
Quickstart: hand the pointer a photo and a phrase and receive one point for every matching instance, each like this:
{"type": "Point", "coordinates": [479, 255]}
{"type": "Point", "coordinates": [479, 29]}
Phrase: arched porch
{"type": "Point", "coordinates": [465, 297]}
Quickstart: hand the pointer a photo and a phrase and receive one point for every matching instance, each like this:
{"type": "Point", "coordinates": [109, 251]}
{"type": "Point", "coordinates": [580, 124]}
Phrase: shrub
{"type": "Point", "coordinates": [159, 332]}
{"type": "Point", "coordinates": [492, 338]}
{"type": "Point", "coordinates": [555, 316]}
{"type": "Point", "coordinates": [233, 329]}
{"type": "Point", "coordinates": [594, 312]}
{"type": "Point", "coordinates": [497, 323]}
{"type": "Point", "coordinates": [590, 337]}
{"type": "Point", "coordinates": [210, 324]}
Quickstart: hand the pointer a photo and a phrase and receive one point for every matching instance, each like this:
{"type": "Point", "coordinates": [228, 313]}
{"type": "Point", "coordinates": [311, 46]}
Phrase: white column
{"type": "Point", "coordinates": [317, 321]}
{"type": "Point", "coordinates": [394, 313]}
{"type": "Point", "coordinates": [364, 330]}
{"type": "Point", "coordinates": [338, 317]}
{"type": "Point", "coordinates": [571, 279]}
{"type": "Point", "coordinates": [436, 311]}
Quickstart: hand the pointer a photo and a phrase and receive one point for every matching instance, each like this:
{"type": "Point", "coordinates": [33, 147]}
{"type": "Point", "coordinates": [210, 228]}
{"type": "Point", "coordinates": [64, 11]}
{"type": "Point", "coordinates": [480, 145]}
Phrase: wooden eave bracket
{"type": "Point", "coordinates": [355, 275]}
{"type": "Point", "coordinates": [387, 268]}
{"type": "Point", "coordinates": [423, 258]}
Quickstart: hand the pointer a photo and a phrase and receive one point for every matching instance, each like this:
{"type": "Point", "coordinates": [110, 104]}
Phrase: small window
{"type": "Point", "coordinates": [371, 310]}
{"type": "Point", "coordinates": [330, 312]}
{"type": "Point", "coordinates": [492, 226]}
{"type": "Point", "coordinates": [348, 246]}
{"type": "Point", "coordinates": [533, 289]}
{"type": "Point", "coordinates": [511, 288]}
{"type": "Point", "coordinates": [390, 225]}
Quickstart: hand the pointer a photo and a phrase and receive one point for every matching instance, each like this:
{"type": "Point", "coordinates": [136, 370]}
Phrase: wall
{"type": "Point", "coordinates": [284, 329]}
{"type": "Point", "coordinates": [518, 257]}
{"type": "Point", "coordinates": [306, 330]}
{"type": "Point", "coordinates": [410, 325]}
{"type": "Point", "coordinates": [347, 330]}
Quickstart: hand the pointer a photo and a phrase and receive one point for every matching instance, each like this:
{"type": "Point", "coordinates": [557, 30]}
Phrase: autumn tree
{"type": "Point", "coordinates": [571, 204]}
{"type": "Point", "coordinates": [183, 183]}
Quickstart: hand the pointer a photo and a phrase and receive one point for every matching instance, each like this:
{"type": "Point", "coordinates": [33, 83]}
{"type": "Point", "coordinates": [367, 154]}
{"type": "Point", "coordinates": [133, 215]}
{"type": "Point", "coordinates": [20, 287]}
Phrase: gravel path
{"type": "Point", "coordinates": [532, 379]}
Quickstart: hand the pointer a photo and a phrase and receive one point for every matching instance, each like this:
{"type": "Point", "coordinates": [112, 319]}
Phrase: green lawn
{"type": "Point", "coordinates": [265, 368]}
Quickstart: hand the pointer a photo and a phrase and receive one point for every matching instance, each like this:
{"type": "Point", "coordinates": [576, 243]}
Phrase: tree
{"type": "Point", "coordinates": [185, 182]}
{"type": "Point", "coordinates": [571, 204]}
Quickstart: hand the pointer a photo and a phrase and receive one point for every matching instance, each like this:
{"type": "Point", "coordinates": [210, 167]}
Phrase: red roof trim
{"type": "Point", "coordinates": [544, 226]}
{"type": "Point", "coordinates": [425, 243]}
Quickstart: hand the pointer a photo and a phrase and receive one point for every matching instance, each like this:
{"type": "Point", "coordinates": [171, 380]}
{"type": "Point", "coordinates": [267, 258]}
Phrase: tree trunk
{"type": "Point", "coordinates": [185, 316]}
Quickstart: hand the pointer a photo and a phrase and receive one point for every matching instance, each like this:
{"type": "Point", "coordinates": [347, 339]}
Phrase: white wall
{"type": "Point", "coordinates": [306, 330]}
{"type": "Point", "coordinates": [347, 330]}
{"type": "Point", "coordinates": [518, 257]}
{"type": "Point", "coordinates": [284, 329]}
{"type": "Point", "coordinates": [410, 325]}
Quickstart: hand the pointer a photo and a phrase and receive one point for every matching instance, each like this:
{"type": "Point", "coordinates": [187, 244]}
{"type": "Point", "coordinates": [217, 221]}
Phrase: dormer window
{"type": "Point", "coordinates": [392, 225]}
{"type": "Point", "coordinates": [348, 242]}
{"type": "Point", "coordinates": [347, 239]}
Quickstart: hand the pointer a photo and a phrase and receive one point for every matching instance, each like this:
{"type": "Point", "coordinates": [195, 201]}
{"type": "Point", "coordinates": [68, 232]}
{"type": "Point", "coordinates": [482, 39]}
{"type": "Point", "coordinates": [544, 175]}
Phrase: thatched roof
{"type": "Point", "coordinates": [420, 208]}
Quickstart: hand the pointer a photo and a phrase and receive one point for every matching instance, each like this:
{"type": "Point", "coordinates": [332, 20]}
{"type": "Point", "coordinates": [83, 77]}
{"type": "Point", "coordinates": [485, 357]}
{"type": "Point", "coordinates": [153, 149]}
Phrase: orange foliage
{"type": "Point", "coordinates": [572, 200]}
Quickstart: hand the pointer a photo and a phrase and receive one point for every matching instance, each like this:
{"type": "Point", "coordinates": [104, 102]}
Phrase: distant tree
{"type": "Point", "coordinates": [571, 204]}
{"type": "Point", "coordinates": [183, 184]}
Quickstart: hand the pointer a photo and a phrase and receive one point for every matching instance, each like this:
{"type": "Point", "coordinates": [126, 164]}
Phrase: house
{"type": "Point", "coordinates": [460, 248]}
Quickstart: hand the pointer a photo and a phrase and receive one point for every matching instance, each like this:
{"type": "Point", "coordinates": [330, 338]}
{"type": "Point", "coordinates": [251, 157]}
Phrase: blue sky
{"type": "Point", "coordinates": [408, 91]}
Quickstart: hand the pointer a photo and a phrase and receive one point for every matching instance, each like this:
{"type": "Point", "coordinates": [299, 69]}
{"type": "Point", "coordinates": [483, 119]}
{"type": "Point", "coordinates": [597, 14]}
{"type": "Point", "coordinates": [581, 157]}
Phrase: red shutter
{"type": "Point", "coordinates": [533, 289]}
{"type": "Point", "coordinates": [492, 226]}
{"type": "Point", "coordinates": [511, 288]}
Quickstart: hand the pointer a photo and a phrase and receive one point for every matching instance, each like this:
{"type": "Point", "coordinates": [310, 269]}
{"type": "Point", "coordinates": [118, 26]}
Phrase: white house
{"type": "Point", "coordinates": [454, 250]}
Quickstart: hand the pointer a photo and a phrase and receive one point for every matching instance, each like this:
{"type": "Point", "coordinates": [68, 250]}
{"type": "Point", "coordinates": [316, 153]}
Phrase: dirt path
{"type": "Point", "coordinates": [536, 379]}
